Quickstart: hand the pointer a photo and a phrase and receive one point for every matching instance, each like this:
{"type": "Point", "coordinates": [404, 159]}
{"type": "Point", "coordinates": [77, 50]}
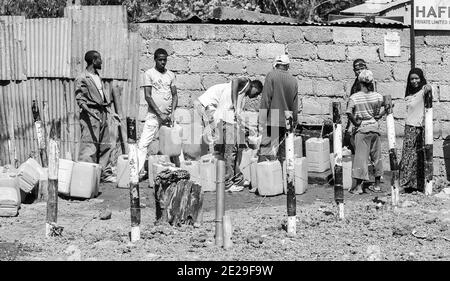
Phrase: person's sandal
{"type": "Point", "coordinates": [375, 189]}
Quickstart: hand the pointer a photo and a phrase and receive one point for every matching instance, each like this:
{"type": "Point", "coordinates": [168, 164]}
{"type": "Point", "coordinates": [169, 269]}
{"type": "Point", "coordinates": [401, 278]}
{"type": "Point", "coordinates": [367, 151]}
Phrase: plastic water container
{"type": "Point", "coordinates": [318, 154]}
{"type": "Point", "coordinates": [123, 171]}
{"type": "Point", "coordinates": [85, 180]}
{"type": "Point", "coordinates": [300, 175]}
{"type": "Point", "coordinates": [270, 178]}
{"type": "Point", "coordinates": [245, 165]}
{"type": "Point", "coordinates": [155, 159]}
{"type": "Point", "coordinates": [192, 145]}
{"type": "Point", "coordinates": [254, 172]}
{"type": "Point", "coordinates": [64, 176]}
{"type": "Point", "coordinates": [10, 198]}
{"type": "Point", "coordinates": [208, 173]}
{"type": "Point", "coordinates": [193, 167]}
{"type": "Point", "coordinates": [170, 139]}
{"type": "Point", "coordinates": [298, 147]}
{"type": "Point", "coordinates": [28, 175]}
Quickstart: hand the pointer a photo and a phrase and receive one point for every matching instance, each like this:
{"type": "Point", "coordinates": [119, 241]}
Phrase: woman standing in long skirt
{"type": "Point", "coordinates": [412, 170]}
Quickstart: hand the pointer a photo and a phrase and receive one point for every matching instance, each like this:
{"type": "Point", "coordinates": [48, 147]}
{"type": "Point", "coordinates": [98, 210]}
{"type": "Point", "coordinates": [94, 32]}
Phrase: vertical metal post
{"type": "Point", "coordinates": [412, 37]}
{"type": "Point", "coordinates": [290, 172]}
{"type": "Point", "coordinates": [135, 208]}
{"type": "Point", "coordinates": [395, 184]}
{"type": "Point", "coordinates": [428, 143]}
{"type": "Point", "coordinates": [337, 149]}
{"type": "Point", "coordinates": [220, 200]}
{"type": "Point", "coordinates": [53, 165]}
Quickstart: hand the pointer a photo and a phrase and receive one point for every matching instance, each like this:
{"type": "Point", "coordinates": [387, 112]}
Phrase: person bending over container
{"type": "Point", "coordinates": [412, 169]}
{"type": "Point", "coordinates": [364, 111]}
{"type": "Point", "coordinates": [95, 104]}
{"type": "Point", "coordinates": [162, 99]}
{"type": "Point", "coordinates": [280, 94]}
{"type": "Point", "coordinates": [218, 110]}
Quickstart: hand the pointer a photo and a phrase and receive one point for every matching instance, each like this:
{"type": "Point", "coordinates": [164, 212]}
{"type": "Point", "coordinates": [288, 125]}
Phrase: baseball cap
{"type": "Point", "coordinates": [366, 76]}
{"type": "Point", "coordinates": [281, 59]}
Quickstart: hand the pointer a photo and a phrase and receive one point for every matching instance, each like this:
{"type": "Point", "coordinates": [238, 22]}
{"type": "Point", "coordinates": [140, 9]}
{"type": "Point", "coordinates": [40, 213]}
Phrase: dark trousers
{"type": "Point", "coordinates": [95, 142]}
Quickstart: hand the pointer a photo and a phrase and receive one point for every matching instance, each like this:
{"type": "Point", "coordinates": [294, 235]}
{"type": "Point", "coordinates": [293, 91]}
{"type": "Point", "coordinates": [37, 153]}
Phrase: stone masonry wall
{"type": "Point", "coordinates": [321, 59]}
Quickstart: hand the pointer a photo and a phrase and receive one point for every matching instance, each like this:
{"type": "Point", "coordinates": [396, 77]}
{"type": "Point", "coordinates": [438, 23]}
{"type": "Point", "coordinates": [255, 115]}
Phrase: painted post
{"type": "Point", "coordinates": [395, 184]}
{"type": "Point", "coordinates": [227, 232]}
{"type": "Point", "coordinates": [53, 164]}
{"type": "Point", "coordinates": [337, 149]}
{"type": "Point", "coordinates": [428, 143]}
{"type": "Point", "coordinates": [135, 208]}
{"type": "Point", "coordinates": [220, 201]}
{"type": "Point", "coordinates": [290, 172]}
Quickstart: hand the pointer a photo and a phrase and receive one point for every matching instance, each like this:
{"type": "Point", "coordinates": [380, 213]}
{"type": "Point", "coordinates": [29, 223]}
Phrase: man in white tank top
{"type": "Point", "coordinates": [217, 111]}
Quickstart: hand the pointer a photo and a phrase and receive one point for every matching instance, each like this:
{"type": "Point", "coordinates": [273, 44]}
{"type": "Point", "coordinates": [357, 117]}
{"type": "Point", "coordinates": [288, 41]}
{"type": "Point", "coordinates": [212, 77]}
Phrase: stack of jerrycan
{"type": "Point", "coordinates": [65, 169]}
{"type": "Point", "coordinates": [123, 171]}
{"type": "Point", "coordinates": [270, 178]}
{"type": "Point", "coordinates": [152, 159]}
{"type": "Point", "coordinates": [85, 180]}
{"type": "Point", "coordinates": [208, 172]}
{"type": "Point", "coordinates": [170, 139]}
{"type": "Point", "coordinates": [300, 175]}
{"type": "Point", "coordinates": [245, 165]}
{"type": "Point", "coordinates": [193, 167]}
{"type": "Point", "coordinates": [318, 155]}
{"type": "Point", "coordinates": [10, 198]}
{"type": "Point", "coordinates": [28, 176]}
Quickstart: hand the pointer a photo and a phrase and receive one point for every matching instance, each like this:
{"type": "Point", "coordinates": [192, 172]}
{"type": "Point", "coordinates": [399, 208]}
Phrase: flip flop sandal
{"type": "Point", "coordinates": [375, 190]}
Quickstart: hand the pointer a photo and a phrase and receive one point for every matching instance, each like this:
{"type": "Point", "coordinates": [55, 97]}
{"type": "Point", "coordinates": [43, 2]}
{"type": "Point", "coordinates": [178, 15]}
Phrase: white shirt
{"type": "Point", "coordinates": [98, 84]}
{"type": "Point", "coordinates": [415, 109]}
{"type": "Point", "coordinates": [161, 84]}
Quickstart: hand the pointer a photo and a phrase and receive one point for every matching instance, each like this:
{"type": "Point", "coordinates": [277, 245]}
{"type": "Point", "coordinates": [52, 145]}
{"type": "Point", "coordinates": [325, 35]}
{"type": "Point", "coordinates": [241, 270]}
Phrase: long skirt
{"type": "Point", "coordinates": [412, 170]}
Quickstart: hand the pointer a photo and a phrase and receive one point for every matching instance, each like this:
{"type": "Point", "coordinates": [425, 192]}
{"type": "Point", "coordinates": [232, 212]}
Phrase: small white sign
{"type": "Point", "coordinates": [392, 44]}
{"type": "Point", "coordinates": [432, 14]}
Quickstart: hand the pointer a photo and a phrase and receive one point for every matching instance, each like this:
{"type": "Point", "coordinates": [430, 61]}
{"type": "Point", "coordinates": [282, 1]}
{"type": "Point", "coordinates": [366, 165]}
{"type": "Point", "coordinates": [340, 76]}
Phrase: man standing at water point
{"type": "Point", "coordinates": [95, 104]}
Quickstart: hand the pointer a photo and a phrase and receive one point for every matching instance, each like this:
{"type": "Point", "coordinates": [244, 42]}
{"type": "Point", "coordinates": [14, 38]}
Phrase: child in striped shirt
{"type": "Point", "coordinates": [364, 111]}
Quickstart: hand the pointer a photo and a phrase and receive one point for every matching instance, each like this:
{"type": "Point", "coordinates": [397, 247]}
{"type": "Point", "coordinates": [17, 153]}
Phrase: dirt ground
{"type": "Point", "coordinates": [372, 230]}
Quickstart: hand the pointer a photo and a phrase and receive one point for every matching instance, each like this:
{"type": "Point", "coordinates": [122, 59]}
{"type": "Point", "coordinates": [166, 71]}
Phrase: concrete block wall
{"type": "Point", "coordinates": [321, 59]}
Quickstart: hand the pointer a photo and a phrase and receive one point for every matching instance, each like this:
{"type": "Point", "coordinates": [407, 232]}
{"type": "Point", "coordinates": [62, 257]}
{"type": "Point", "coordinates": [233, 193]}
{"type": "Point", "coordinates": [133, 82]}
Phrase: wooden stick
{"type": "Point", "coordinates": [395, 184]}
{"type": "Point", "coordinates": [220, 200]}
{"type": "Point", "coordinates": [12, 140]}
{"type": "Point", "coordinates": [227, 232]}
{"type": "Point", "coordinates": [135, 208]}
{"type": "Point", "coordinates": [290, 172]}
{"type": "Point", "coordinates": [40, 134]}
{"type": "Point", "coordinates": [428, 143]}
{"type": "Point", "coordinates": [337, 148]}
{"type": "Point", "coordinates": [52, 203]}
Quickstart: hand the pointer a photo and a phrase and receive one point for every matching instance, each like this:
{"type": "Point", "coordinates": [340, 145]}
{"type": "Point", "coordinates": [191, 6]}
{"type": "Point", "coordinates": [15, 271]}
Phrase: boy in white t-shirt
{"type": "Point", "coordinates": [162, 99]}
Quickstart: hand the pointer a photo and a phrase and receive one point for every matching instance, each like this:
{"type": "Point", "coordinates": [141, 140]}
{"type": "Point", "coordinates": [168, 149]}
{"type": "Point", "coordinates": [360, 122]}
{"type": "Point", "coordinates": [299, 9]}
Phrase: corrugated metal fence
{"type": "Point", "coordinates": [40, 59]}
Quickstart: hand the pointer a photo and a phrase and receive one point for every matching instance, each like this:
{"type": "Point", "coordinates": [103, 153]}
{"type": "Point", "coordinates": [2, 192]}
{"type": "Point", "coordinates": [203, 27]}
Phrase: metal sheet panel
{"type": "Point", "coordinates": [12, 48]}
{"type": "Point", "coordinates": [48, 47]}
{"type": "Point", "coordinates": [104, 29]}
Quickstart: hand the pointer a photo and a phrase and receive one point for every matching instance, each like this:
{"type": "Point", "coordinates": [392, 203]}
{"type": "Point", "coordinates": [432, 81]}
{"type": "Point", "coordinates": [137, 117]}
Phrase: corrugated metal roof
{"type": "Point", "coordinates": [101, 28]}
{"type": "Point", "coordinates": [12, 48]}
{"type": "Point", "coordinates": [369, 8]}
{"type": "Point", "coordinates": [226, 13]}
{"type": "Point", "coordinates": [361, 20]}
{"type": "Point", "coordinates": [48, 47]}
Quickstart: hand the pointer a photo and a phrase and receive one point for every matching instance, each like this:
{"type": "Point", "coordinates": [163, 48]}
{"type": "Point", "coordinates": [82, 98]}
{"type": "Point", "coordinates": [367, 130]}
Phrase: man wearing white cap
{"type": "Point", "coordinates": [280, 93]}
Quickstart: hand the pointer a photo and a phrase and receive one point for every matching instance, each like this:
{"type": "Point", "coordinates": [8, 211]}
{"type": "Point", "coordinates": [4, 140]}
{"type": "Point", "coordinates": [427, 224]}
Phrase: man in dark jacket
{"type": "Point", "coordinates": [280, 93]}
{"type": "Point", "coordinates": [95, 104]}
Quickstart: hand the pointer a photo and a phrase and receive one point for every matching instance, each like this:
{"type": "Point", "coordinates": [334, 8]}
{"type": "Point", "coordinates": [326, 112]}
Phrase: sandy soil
{"type": "Point", "coordinates": [418, 230]}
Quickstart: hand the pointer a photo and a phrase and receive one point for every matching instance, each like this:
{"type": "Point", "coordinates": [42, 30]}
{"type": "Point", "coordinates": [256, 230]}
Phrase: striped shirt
{"type": "Point", "coordinates": [365, 106]}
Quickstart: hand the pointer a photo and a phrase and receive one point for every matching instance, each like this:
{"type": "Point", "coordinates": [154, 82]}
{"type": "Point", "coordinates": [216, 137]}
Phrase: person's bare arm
{"type": "Point", "coordinates": [352, 119]}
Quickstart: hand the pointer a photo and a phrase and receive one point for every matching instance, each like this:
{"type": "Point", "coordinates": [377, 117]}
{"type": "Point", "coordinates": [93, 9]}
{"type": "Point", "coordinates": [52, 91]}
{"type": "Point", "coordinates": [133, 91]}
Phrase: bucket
{"type": "Point", "coordinates": [28, 175]}
{"type": "Point", "coordinates": [64, 176]}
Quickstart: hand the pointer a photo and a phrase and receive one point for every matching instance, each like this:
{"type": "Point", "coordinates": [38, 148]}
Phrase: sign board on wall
{"type": "Point", "coordinates": [392, 44]}
{"type": "Point", "coordinates": [432, 14]}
